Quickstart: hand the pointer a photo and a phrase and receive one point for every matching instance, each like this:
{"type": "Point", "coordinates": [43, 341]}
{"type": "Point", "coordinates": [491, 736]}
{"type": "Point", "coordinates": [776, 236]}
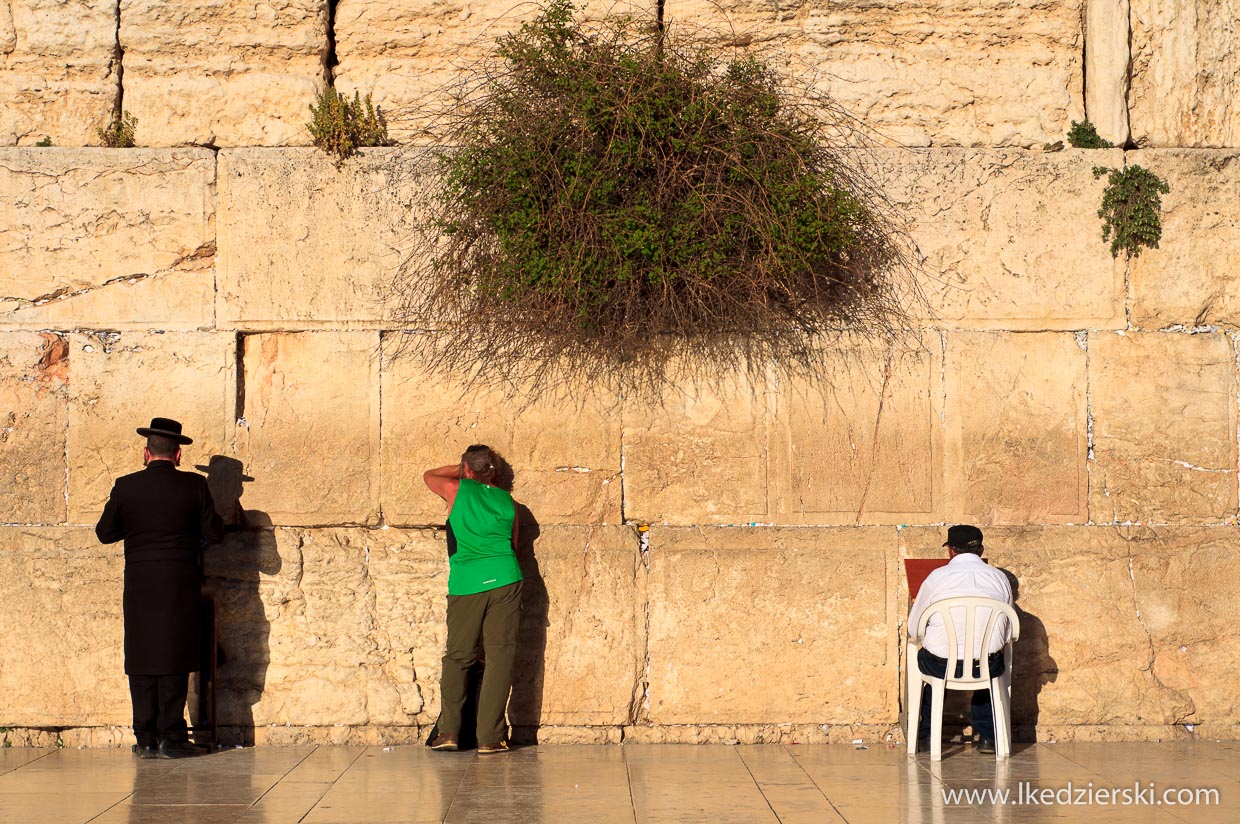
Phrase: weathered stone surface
{"type": "Point", "coordinates": [305, 242]}
{"type": "Point", "coordinates": [58, 71]}
{"type": "Point", "coordinates": [310, 436]}
{"type": "Point", "coordinates": [729, 607]}
{"type": "Point", "coordinates": [95, 237]}
{"type": "Point", "coordinates": [1192, 278]}
{"type": "Point", "coordinates": [1016, 428]}
{"type": "Point", "coordinates": [120, 382]}
{"type": "Point", "coordinates": [1184, 582]}
{"type": "Point", "coordinates": [225, 73]}
{"type": "Point", "coordinates": [1185, 73]}
{"type": "Point", "coordinates": [1008, 240]}
{"type": "Point", "coordinates": [1107, 57]}
{"type": "Point", "coordinates": [346, 627]}
{"type": "Point", "coordinates": [933, 72]}
{"type": "Point", "coordinates": [1164, 438]}
{"type": "Point", "coordinates": [1084, 652]}
{"type": "Point", "coordinates": [564, 447]}
{"type": "Point", "coordinates": [33, 416]}
{"type": "Point", "coordinates": [701, 455]}
{"type": "Point", "coordinates": [60, 615]}
{"type": "Point", "coordinates": [861, 445]}
{"type": "Point", "coordinates": [866, 445]}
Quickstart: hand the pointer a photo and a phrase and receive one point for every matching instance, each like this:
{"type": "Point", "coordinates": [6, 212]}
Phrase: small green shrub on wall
{"type": "Point", "coordinates": [1083, 135]}
{"type": "Point", "coordinates": [1131, 209]}
{"type": "Point", "coordinates": [616, 198]}
{"type": "Point", "coordinates": [341, 126]}
{"type": "Point", "coordinates": [120, 133]}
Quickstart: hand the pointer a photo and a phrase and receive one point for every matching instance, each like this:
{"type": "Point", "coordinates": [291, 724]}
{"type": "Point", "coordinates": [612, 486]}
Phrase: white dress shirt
{"type": "Point", "coordinates": [964, 575]}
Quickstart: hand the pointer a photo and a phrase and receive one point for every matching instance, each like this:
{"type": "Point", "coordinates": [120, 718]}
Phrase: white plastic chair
{"type": "Point", "coordinates": [1000, 686]}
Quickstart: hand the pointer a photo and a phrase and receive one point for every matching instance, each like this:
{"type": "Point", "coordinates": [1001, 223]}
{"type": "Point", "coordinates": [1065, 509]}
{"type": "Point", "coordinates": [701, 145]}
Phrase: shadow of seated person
{"type": "Point", "coordinates": [1032, 667]}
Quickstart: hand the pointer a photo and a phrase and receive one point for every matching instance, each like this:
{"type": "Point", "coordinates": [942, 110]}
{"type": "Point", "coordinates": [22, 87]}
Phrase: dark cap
{"type": "Point", "coordinates": [165, 428]}
{"type": "Point", "coordinates": [963, 536]}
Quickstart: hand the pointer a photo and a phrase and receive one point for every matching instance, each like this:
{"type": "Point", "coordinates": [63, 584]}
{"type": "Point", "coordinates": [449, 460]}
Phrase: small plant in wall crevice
{"type": "Point", "coordinates": [1131, 209]}
{"type": "Point", "coordinates": [340, 126]}
{"type": "Point", "coordinates": [120, 133]}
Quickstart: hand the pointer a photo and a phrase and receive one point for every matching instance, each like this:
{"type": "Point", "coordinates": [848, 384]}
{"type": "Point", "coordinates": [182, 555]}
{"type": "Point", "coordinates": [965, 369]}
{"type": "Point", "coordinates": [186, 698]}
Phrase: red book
{"type": "Point", "coordinates": [917, 569]}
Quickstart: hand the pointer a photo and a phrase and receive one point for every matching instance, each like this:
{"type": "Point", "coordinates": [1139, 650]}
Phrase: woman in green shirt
{"type": "Point", "coordinates": [484, 595]}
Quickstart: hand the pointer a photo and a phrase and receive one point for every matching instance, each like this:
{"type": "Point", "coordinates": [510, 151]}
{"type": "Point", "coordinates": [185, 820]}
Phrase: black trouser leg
{"type": "Point", "coordinates": [173, 690]}
{"type": "Point", "coordinates": [144, 693]}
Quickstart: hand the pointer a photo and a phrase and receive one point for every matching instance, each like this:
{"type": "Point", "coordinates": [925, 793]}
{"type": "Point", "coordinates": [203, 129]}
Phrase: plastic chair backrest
{"type": "Point", "coordinates": [970, 604]}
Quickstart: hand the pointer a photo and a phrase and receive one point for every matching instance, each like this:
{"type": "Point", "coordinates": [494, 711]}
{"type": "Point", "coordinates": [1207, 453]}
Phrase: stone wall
{"type": "Point", "coordinates": [1082, 410]}
{"type": "Point", "coordinates": [723, 564]}
{"type": "Point", "coordinates": [975, 73]}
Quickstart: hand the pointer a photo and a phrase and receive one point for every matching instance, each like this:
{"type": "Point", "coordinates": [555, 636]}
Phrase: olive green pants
{"type": "Point", "coordinates": [492, 617]}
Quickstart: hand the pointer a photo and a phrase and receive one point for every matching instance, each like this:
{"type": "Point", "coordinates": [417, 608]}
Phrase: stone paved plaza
{"type": "Point", "coordinates": [634, 783]}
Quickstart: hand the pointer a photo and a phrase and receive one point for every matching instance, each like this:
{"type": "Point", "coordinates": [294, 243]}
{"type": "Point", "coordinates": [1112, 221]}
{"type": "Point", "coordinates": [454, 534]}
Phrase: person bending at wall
{"type": "Point", "coordinates": [165, 517]}
{"type": "Point", "coordinates": [484, 595]}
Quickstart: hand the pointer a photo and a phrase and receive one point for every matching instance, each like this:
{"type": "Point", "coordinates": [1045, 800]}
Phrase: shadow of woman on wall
{"type": "Point", "coordinates": [1032, 667]}
{"type": "Point", "coordinates": [233, 570]}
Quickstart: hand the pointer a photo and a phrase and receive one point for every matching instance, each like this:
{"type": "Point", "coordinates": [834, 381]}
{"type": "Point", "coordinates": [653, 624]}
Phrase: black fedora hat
{"type": "Point", "coordinates": [963, 536]}
{"type": "Point", "coordinates": [164, 428]}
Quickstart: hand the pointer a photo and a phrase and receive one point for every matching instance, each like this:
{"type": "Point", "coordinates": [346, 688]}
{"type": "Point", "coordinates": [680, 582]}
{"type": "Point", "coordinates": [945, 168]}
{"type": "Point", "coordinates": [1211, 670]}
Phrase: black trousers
{"type": "Point", "coordinates": [159, 707]}
{"type": "Point", "coordinates": [982, 712]}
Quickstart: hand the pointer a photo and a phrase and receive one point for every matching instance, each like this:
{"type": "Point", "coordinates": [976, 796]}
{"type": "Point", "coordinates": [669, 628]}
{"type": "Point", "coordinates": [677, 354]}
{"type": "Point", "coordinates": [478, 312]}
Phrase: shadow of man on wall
{"type": "Point", "coordinates": [233, 570]}
{"type": "Point", "coordinates": [1032, 667]}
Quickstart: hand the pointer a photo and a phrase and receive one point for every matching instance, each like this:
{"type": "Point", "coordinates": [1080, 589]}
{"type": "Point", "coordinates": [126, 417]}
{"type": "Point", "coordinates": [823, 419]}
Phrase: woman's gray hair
{"type": "Point", "coordinates": [481, 460]}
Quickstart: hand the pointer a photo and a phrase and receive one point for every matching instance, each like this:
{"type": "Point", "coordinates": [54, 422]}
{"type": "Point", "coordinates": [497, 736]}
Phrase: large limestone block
{"type": "Point", "coordinates": [305, 242]}
{"type": "Point", "coordinates": [1017, 428]}
{"type": "Point", "coordinates": [769, 625]}
{"type": "Point", "coordinates": [1084, 656]}
{"type": "Point", "coordinates": [34, 375]}
{"type": "Point", "coordinates": [1107, 58]}
{"type": "Point", "coordinates": [926, 72]}
{"type": "Point", "coordinates": [1185, 73]}
{"type": "Point", "coordinates": [563, 445]}
{"type": "Point", "coordinates": [1185, 580]}
{"type": "Point", "coordinates": [305, 629]}
{"type": "Point", "coordinates": [412, 55]}
{"type": "Point", "coordinates": [308, 431]}
{"type": "Point", "coordinates": [1164, 437]}
{"type": "Point", "coordinates": [865, 445]}
{"type": "Point", "coordinates": [1007, 240]}
{"type": "Point", "coordinates": [120, 382]}
{"type": "Point", "coordinates": [861, 444]}
{"type": "Point", "coordinates": [58, 70]}
{"type": "Point", "coordinates": [111, 239]}
{"type": "Point", "coordinates": [225, 72]}
{"type": "Point", "coordinates": [1192, 278]}
{"type": "Point", "coordinates": [581, 658]}
{"type": "Point", "coordinates": [62, 662]}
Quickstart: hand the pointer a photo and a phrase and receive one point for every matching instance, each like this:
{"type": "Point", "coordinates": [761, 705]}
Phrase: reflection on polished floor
{"type": "Point", "coordinates": [634, 783]}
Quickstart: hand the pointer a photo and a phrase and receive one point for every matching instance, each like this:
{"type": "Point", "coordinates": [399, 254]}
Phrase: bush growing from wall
{"type": "Point", "coordinates": [1083, 135]}
{"type": "Point", "coordinates": [617, 197]}
{"type": "Point", "coordinates": [120, 133]}
{"type": "Point", "coordinates": [340, 126]}
{"type": "Point", "coordinates": [1131, 209]}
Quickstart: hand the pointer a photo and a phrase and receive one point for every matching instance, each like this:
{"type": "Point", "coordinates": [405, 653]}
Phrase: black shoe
{"type": "Point", "coordinates": [923, 744]}
{"type": "Point", "coordinates": [178, 749]}
{"type": "Point", "coordinates": [986, 746]}
{"type": "Point", "coordinates": [144, 751]}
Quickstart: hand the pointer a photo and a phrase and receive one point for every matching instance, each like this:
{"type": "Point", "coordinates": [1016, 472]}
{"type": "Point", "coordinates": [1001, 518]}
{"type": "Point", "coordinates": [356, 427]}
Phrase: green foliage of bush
{"type": "Point", "coordinates": [120, 133]}
{"type": "Point", "coordinates": [1131, 209]}
{"type": "Point", "coordinates": [45, 142]}
{"type": "Point", "coordinates": [622, 195]}
{"type": "Point", "coordinates": [1083, 135]}
{"type": "Point", "coordinates": [341, 126]}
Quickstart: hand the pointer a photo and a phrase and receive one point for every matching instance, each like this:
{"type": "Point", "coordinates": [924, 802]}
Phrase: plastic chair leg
{"type": "Point", "coordinates": [1001, 712]}
{"type": "Point", "coordinates": [936, 720]}
{"type": "Point", "coordinates": [913, 708]}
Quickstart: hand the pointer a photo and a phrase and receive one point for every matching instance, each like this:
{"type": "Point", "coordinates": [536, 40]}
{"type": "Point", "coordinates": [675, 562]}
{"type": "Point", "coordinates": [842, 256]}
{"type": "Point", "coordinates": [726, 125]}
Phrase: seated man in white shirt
{"type": "Point", "coordinates": [966, 574]}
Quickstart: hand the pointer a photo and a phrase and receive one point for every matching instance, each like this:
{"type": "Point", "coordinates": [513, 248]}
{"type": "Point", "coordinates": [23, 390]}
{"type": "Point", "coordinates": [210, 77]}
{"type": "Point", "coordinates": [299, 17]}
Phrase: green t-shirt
{"type": "Point", "coordinates": [480, 555]}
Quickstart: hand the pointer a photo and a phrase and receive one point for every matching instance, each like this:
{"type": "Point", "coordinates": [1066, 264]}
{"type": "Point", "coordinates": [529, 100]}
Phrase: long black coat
{"type": "Point", "coordinates": [165, 517]}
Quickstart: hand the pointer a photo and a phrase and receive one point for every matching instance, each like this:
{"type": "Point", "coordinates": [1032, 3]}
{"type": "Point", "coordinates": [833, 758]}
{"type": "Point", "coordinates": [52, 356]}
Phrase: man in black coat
{"type": "Point", "coordinates": [165, 517]}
